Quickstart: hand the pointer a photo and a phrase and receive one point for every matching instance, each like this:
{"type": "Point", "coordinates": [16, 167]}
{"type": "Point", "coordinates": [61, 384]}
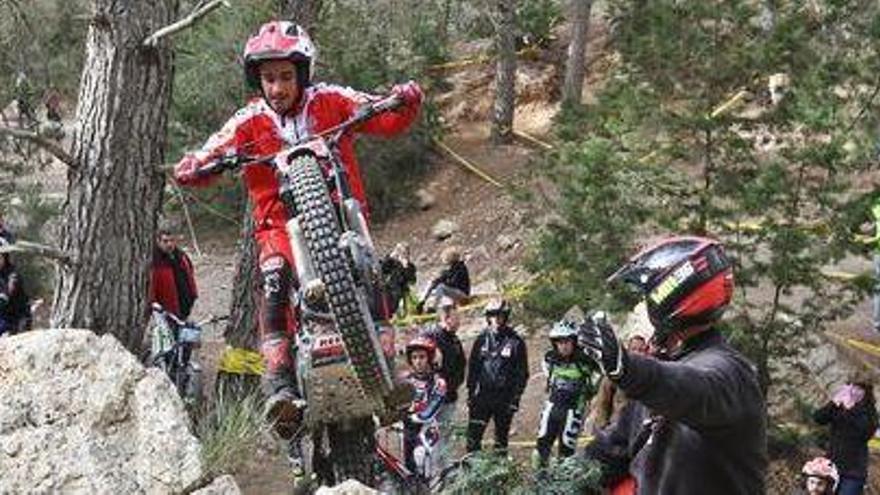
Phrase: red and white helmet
{"type": "Point", "coordinates": [422, 344]}
{"type": "Point", "coordinates": [687, 282]}
{"type": "Point", "coordinates": [821, 467]}
{"type": "Point", "coordinates": [280, 40]}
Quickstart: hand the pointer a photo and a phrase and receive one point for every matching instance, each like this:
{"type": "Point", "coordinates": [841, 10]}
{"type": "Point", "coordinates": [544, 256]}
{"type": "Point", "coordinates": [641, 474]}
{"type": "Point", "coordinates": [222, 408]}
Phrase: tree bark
{"type": "Point", "coordinates": [241, 329]}
{"type": "Point", "coordinates": [114, 196]}
{"type": "Point", "coordinates": [574, 66]}
{"type": "Point", "coordinates": [303, 12]}
{"type": "Point", "coordinates": [505, 71]}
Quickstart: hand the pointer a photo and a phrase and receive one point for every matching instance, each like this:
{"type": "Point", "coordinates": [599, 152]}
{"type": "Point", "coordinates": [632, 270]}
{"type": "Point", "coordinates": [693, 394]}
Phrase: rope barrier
{"type": "Point", "coordinates": [467, 164]}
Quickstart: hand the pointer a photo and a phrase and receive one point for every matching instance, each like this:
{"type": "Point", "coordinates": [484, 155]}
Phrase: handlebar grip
{"type": "Point", "coordinates": [390, 103]}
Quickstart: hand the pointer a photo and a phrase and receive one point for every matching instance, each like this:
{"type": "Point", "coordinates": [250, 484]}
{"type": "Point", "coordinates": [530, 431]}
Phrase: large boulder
{"type": "Point", "coordinates": [79, 414]}
{"type": "Point", "coordinates": [350, 487]}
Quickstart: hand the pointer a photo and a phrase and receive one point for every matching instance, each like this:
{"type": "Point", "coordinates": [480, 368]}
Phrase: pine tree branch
{"type": "Point", "coordinates": [43, 250]}
{"type": "Point", "coordinates": [197, 13]}
{"type": "Point", "coordinates": [42, 141]}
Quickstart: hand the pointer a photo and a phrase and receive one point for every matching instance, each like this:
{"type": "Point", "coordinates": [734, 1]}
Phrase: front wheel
{"type": "Point", "coordinates": [318, 220]}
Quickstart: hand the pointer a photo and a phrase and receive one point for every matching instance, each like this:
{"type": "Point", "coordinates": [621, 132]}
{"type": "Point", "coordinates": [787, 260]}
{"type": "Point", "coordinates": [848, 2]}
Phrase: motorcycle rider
{"type": "Point", "coordinates": [429, 399]}
{"type": "Point", "coordinates": [706, 430]}
{"type": "Point", "coordinates": [279, 62]}
{"type": "Point", "coordinates": [498, 370]}
{"type": "Point", "coordinates": [571, 382]}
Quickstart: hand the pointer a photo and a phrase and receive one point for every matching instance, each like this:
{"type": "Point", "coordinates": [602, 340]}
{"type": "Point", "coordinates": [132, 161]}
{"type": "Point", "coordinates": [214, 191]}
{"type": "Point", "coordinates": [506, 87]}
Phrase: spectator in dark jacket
{"type": "Point", "coordinates": [452, 358]}
{"type": "Point", "coordinates": [498, 370]}
{"type": "Point", "coordinates": [704, 428]}
{"type": "Point", "coordinates": [172, 281]}
{"type": "Point", "coordinates": [852, 415]}
{"type": "Point", "coordinates": [454, 281]}
{"type": "Point", "coordinates": [399, 273]}
{"type": "Point", "coordinates": [452, 368]}
{"type": "Point", "coordinates": [15, 310]}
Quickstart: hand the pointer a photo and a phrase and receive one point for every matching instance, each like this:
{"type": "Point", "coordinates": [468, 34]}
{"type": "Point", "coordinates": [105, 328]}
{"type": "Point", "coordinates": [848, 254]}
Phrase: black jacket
{"type": "Point", "coordinates": [14, 301]}
{"type": "Point", "coordinates": [707, 432]}
{"type": "Point", "coordinates": [452, 368]}
{"type": "Point", "coordinates": [850, 431]}
{"type": "Point", "coordinates": [456, 275]}
{"type": "Point", "coordinates": [498, 368]}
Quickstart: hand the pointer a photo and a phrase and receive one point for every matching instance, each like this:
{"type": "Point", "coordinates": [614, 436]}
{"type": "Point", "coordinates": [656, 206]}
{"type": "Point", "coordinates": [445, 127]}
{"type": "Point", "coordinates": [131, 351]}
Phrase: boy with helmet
{"type": "Point", "coordinates": [279, 62]}
{"type": "Point", "coordinates": [571, 382]}
{"type": "Point", "coordinates": [706, 431]}
{"type": "Point", "coordinates": [498, 370]}
{"type": "Point", "coordinates": [429, 397]}
{"type": "Point", "coordinates": [820, 477]}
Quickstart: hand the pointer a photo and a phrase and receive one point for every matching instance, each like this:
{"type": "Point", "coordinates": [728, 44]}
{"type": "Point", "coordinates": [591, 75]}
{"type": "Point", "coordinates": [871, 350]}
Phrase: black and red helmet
{"type": "Point", "coordinates": [687, 282]}
{"type": "Point", "coordinates": [280, 40]}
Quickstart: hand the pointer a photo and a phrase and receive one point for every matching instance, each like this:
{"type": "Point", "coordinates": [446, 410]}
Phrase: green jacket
{"type": "Point", "coordinates": [571, 382]}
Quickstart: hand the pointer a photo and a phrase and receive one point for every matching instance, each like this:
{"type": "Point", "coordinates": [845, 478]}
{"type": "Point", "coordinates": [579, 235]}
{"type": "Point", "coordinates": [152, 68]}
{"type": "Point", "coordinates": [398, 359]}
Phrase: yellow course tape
{"type": "Point", "coordinates": [864, 346]}
{"type": "Point", "coordinates": [582, 441]}
{"type": "Point", "coordinates": [724, 107]}
{"type": "Point", "coordinates": [470, 166]}
{"type": "Point", "coordinates": [241, 362]}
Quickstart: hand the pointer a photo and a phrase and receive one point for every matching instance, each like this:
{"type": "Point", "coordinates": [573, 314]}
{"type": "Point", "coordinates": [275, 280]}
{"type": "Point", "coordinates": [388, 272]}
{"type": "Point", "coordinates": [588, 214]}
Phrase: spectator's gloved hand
{"type": "Point", "coordinates": [414, 419]}
{"type": "Point", "coordinates": [186, 172]}
{"type": "Point", "coordinates": [409, 92]}
{"type": "Point", "coordinates": [597, 338]}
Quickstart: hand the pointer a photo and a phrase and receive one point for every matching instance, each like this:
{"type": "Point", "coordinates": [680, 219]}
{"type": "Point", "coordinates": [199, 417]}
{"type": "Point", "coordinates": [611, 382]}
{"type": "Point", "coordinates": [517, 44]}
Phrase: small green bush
{"type": "Point", "coordinates": [230, 431]}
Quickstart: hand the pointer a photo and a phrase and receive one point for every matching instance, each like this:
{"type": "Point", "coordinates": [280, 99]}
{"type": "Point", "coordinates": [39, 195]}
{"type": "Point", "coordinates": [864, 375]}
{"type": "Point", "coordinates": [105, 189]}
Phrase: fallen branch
{"type": "Point", "coordinates": [197, 13]}
{"type": "Point", "coordinates": [47, 144]}
{"type": "Point", "coordinates": [38, 249]}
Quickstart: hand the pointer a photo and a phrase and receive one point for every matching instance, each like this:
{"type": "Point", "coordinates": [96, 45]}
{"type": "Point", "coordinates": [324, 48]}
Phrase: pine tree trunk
{"type": "Point", "coordinates": [505, 71]}
{"type": "Point", "coordinates": [241, 330]}
{"type": "Point", "coordinates": [114, 196]}
{"type": "Point", "coordinates": [574, 66]}
{"type": "Point", "coordinates": [303, 12]}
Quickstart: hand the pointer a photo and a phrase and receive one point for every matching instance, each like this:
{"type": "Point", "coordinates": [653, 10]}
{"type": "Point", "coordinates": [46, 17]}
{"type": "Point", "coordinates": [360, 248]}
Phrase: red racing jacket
{"type": "Point", "coordinates": [258, 130]}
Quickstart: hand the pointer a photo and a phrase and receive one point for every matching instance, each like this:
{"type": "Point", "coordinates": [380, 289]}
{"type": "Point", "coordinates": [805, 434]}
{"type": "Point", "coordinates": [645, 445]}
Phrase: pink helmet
{"type": "Point", "coordinates": [280, 40]}
{"type": "Point", "coordinates": [821, 467]}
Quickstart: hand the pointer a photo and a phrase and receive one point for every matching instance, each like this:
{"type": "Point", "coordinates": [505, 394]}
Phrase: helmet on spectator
{"type": "Point", "coordinates": [421, 343]}
{"type": "Point", "coordinates": [280, 40]}
{"type": "Point", "coordinates": [823, 468]}
{"type": "Point", "coordinates": [687, 283]}
{"type": "Point", "coordinates": [564, 329]}
{"type": "Point", "coordinates": [497, 307]}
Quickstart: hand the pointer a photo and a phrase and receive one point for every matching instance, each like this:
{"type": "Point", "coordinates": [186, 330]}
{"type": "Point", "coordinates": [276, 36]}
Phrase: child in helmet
{"type": "Point", "coordinates": [571, 382]}
{"type": "Point", "coordinates": [820, 477]}
{"type": "Point", "coordinates": [421, 434]}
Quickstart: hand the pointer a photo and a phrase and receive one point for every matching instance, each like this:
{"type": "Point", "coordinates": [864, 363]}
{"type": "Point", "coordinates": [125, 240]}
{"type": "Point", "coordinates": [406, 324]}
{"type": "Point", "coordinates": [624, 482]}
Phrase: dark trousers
{"type": "Point", "coordinates": [479, 414]}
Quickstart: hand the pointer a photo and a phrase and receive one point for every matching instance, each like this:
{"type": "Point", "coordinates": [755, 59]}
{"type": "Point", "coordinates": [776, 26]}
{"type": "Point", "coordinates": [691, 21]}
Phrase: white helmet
{"type": "Point", "coordinates": [564, 329]}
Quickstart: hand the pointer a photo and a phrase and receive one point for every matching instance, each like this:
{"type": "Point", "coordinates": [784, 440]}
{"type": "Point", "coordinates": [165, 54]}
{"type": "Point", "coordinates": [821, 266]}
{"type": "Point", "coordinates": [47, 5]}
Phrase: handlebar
{"type": "Point", "coordinates": [362, 114]}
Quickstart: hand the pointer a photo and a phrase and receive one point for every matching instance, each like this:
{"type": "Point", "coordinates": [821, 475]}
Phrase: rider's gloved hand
{"type": "Point", "coordinates": [186, 172]}
{"type": "Point", "coordinates": [597, 338]}
{"type": "Point", "coordinates": [409, 92]}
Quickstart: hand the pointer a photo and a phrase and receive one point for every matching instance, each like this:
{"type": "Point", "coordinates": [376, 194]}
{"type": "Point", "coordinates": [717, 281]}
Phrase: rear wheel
{"type": "Point", "coordinates": [321, 230]}
{"type": "Point", "coordinates": [352, 451]}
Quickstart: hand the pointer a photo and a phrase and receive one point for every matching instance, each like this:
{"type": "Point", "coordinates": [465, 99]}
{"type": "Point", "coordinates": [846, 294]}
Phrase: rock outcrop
{"type": "Point", "coordinates": [79, 414]}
